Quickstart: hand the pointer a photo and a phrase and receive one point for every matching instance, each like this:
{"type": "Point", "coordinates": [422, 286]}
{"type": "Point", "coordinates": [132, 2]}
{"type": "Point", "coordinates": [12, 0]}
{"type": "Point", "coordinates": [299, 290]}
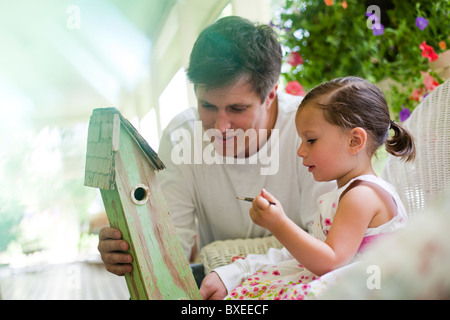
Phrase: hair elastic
{"type": "Point", "coordinates": [392, 124]}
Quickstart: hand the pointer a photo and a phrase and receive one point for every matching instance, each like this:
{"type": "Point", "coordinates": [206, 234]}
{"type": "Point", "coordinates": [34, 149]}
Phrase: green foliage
{"type": "Point", "coordinates": [10, 215]}
{"type": "Point", "coordinates": [336, 41]}
{"type": "Point", "coordinates": [42, 186]}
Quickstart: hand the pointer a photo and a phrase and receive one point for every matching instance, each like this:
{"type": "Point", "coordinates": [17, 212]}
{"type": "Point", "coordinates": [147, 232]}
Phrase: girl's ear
{"type": "Point", "coordinates": [358, 139]}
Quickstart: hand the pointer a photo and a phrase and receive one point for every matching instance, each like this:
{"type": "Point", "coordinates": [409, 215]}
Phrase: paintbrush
{"type": "Point", "coordinates": [251, 200]}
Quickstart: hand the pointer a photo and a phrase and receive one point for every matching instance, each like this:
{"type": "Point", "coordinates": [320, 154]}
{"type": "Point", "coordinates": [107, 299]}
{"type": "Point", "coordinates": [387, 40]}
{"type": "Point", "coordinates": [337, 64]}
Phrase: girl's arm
{"type": "Point", "coordinates": [356, 209]}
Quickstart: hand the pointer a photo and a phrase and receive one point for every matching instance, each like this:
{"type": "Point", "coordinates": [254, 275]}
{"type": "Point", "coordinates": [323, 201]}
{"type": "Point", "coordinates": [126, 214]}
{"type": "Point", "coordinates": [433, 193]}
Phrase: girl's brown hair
{"type": "Point", "coordinates": [353, 102]}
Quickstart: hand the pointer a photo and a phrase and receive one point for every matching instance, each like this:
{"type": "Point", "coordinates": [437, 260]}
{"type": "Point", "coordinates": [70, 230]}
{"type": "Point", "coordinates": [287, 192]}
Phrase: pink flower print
{"type": "Point", "coordinates": [300, 265]}
{"type": "Point", "coordinates": [233, 294]}
{"type": "Point", "coordinates": [255, 289]}
{"type": "Point", "coordinates": [276, 273]}
{"type": "Point", "coordinates": [244, 291]}
{"type": "Point", "coordinates": [241, 298]}
{"type": "Point", "coordinates": [305, 287]}
{"type": "Point", "coordinates": [334, 205]}
{"type": "Point", "coordinates": [327, 222]}
{"type": "Point", "coordinates": [264, 272]}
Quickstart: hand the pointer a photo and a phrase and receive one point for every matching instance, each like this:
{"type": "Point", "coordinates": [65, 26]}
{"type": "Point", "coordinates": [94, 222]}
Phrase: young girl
{"type": "Point", "coordinates": [341, 123]}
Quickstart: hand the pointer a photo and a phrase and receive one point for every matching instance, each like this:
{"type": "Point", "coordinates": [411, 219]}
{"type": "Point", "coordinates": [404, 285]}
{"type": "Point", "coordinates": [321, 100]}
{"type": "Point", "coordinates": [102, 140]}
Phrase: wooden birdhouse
{"type": "Point", "coordinates": [122, 165]}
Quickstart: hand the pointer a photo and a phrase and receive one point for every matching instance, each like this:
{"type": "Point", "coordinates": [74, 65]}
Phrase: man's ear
{"type": "Point", "coordinates": [358, 140]}
{"type": "Point", "coordinates": [271, 96]}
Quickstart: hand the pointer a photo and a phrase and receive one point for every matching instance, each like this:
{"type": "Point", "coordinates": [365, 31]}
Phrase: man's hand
{"type": "Point", "coordinates": [212, 287]}
{"type": "Point", "coordinates": [111, 247]}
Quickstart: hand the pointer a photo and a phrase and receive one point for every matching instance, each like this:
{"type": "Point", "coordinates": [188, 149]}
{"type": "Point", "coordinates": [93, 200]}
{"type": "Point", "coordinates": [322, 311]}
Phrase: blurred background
{"type": "Point", "coordinates": [61, 59]}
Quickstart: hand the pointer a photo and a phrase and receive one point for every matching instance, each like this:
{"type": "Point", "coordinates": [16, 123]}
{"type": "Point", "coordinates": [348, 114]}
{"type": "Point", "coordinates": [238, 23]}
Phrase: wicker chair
{"type": "Point", "coordinates": [419, 183]}
{"type": "Point", "coordinates": [220, 253]}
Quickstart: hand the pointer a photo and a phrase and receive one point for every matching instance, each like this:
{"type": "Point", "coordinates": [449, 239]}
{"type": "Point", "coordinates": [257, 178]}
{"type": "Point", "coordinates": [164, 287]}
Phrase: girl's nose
{"type": "Point", "coordinates": [301, 151]}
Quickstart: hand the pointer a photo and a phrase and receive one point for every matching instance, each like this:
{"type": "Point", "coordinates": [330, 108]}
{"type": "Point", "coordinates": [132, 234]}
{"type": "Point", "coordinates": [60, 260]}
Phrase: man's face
{"type": "Point", "coordinates": [227, 109]}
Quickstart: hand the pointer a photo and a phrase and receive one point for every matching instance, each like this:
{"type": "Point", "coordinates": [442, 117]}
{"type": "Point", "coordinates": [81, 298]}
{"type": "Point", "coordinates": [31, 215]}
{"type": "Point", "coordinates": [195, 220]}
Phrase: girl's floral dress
{"type": "Point", "coordinates": [289, 279]}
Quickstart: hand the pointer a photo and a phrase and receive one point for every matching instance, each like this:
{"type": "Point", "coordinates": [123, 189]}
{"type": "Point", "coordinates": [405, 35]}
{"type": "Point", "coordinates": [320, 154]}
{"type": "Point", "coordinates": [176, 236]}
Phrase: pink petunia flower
{"type": "Point", "coordinates": [295, 59]}
{"type": "Point", "coordinates": [295, 88]}
{"type": "Point", "coordinates": [416, 95]}
{"type": "Point", "coordinates": [428, 51]}
{"type": "Point", "coordinates": [429, 81]}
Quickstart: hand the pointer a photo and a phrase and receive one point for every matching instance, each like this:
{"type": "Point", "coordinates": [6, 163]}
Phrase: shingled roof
{"type": "Point", "coordinates": [103, 142]}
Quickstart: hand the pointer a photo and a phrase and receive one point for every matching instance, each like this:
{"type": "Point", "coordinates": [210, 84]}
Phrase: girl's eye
{"type": "Point", "coordinates": [311, 141]}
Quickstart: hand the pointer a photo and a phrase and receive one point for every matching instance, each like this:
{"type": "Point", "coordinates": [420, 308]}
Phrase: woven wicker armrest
{"type": "Point", "coordinates": [220, 253]}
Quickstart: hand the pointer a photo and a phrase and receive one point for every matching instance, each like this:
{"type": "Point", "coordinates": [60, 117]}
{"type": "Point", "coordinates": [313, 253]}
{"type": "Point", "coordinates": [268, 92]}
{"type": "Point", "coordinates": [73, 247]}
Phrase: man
{"type": "Point", "coordinates": [235, 67]}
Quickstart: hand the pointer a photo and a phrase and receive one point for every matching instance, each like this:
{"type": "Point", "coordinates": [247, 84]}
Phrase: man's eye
{"type": "Point", "coordinates": [208, 106]}
{"type": "Point", "coordinates": [237, 109]}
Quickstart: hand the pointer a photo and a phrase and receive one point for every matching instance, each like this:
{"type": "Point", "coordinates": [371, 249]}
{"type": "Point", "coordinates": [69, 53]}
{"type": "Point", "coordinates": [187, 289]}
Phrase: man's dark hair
{"type": "Point", "coordinates": [234, 48]}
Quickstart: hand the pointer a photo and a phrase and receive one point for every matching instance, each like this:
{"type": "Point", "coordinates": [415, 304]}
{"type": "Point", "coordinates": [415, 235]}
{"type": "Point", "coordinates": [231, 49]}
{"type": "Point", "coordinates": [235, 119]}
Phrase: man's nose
{"type": "Point", "coordinates": [222, 121]}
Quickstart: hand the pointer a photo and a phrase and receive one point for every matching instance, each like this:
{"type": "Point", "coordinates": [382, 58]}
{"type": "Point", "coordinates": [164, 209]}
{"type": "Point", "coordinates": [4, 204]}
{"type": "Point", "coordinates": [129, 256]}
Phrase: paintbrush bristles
{"type": "Point", "coordinates": [251, 200]}
{"type": "Point", "coordinates": [245, 199]}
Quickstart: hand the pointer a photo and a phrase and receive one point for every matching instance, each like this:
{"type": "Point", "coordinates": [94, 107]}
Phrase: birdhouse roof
{"type": "Point", "coordinates": [103, 141]}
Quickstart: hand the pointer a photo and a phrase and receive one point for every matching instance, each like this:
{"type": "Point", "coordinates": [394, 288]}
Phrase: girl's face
{"type": "Point", "coordinates": [324, 147]}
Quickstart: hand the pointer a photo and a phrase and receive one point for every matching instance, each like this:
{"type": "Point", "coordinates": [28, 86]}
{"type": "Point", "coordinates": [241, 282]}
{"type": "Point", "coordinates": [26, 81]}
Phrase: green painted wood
{"type": "Point", "coordinates": [160, 267]}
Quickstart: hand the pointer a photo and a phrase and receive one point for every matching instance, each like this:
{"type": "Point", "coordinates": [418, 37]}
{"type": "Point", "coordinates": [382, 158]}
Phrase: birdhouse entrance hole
{"type": "Point", "coordinates": [140, 194]}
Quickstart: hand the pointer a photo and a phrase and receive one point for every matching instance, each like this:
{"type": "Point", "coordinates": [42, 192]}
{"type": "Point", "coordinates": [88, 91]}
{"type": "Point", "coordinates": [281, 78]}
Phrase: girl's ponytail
{"type": "Point", "coordinates": [402, 143]}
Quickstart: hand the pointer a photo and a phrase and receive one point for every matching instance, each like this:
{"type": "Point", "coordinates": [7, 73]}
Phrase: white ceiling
{"type": "Point", "coordinates": [56, 63]}
{"type": "Point", "coordinates": [59, 59]}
